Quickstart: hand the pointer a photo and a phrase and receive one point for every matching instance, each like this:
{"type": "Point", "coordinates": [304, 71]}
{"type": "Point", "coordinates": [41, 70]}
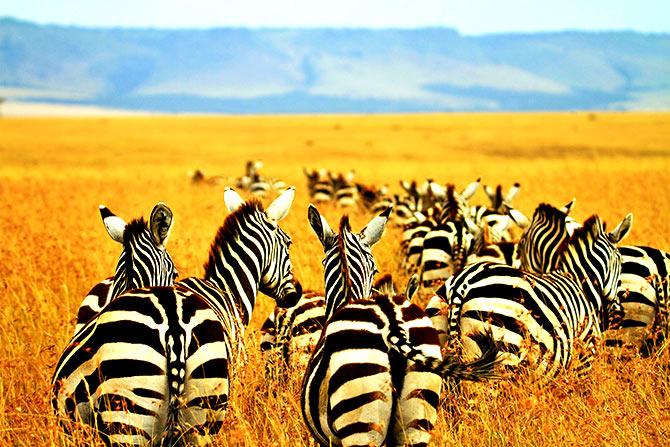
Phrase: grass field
{"type": "Point", "coordinates": [55, 172]}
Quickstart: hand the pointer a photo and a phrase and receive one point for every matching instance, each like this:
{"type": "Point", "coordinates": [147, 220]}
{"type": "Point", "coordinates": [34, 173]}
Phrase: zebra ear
{"type": "Point", "coordinates": [375, 228]}
{"type": "Point", "coordinates": [160, 223]}
{"type": "Point", "coordinates": [320, 226]}
{"type": "Point", "coordinates": [412, 287]}
{"type": "Point", "coordinates": [471, 189]}
{"type": "Point", "coordinates": [568, 207]}
{"type": "Point", "coordinates": [517, 216]}
{"type": "Point", "coordinates": [350, 176]}
{"type": "Point", "coordinates": [490, 192]}
{"type": "Point", "coordinates": [232, 199]}
{"type": "Point", "coordinates": [280, 207]}
{"type": "Point", "coordinates": [513, 191]}
{"type": "Point", "coordinates": [621, 230]}
{"type": "Point", "coordinates": [114, 224]}
{"type": "Point", "coordinates": [437, 190]}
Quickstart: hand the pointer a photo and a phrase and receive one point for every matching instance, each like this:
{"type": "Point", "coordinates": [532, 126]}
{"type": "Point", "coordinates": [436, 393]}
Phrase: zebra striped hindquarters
{"type": "Point", "coordinates": [144, 261]}
{"type": "Point", "coordinates": [359, 390]}
{"type": "Point", "coordinates": [319, 185]}
{"type": "Point", "coordinates": [645, 295]}
{"type": "Point", "coordinates": [154, 367]}
{"type": "Point", "coordinates": [549, 322]}
{"type": "Point", "coordinates": [289, 335]}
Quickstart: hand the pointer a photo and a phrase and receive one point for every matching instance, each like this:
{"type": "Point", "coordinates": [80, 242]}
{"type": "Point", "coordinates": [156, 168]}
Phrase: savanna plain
{"type": "Point", "coordinates": [54, 248]}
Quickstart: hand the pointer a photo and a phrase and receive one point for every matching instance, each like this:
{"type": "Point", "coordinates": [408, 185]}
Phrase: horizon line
{"type": "Point", "coordinates": [326, 27]}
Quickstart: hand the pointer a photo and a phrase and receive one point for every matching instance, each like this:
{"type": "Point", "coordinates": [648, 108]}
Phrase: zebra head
{"type": "Point", "coordinates": [144, 261]}
{"type": "Point", "coordinates": [592, 256]}
{"type": "Point", "coordinates": [539, 245]}
{"type": "Point", "coordinates": [261, 230]}
{"type": "Point", "coordinates": [348, 263]}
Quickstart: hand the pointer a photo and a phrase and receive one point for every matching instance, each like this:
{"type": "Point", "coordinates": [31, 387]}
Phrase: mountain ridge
{"type": "Point", "coordinates": [308, 70]}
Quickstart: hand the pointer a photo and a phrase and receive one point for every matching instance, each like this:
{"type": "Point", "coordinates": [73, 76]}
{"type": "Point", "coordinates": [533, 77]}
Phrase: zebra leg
{"type": "Point", "coordinates": [586, 350]}
{"type": "Point", "coordinates": [205, 398]}
{"type": "Point", "coordinates": [361, 408]}
{"type": "Point", "coordinates": [437, 310]}
{"type": "Point", "coordinates": [125, 416]}
{"type": "Point", "coordinates": [416, 410]}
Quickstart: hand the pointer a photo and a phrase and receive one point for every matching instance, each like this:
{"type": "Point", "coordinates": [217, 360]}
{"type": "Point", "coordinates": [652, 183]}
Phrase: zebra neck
{"type": "Point", "coordinates": [576, 264]}
{"type": "Point", "coordinates": [237, 273]}
{"type": "Point", "coordinates": [337, 290]}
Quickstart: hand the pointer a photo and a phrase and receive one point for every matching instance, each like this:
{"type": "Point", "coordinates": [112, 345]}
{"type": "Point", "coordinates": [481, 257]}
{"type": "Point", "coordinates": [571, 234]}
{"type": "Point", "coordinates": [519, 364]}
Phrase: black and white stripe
{"type": "Point", "coordinates": [345, 192]}
{"type": "Point", "coordinates": [362, 385]}
{"type": "Point", "coordinates": [319, 185]}
{"type": "Point", "coordinates": [289, 335]}
{"type": "Point", "coordinates": [540, 320]}
{"type": "Point", "coordinates": [450, 242]}
{"type": "Point", "coordinates": [144, 261]}
{"type": "Point", "coordinates": [155, 365]}
{"type": "Point", "coordinates": [645, 280]}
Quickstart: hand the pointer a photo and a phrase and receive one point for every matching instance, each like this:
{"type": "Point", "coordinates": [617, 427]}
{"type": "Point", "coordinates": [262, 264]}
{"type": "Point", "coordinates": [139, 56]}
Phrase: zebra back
{"type": "Point", "coordinates": [554, 312]}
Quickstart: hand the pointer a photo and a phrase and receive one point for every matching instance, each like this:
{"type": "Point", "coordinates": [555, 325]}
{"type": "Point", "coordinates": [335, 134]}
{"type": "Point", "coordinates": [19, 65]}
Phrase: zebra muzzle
{"type": "Point", "coordinates": [291, 296]}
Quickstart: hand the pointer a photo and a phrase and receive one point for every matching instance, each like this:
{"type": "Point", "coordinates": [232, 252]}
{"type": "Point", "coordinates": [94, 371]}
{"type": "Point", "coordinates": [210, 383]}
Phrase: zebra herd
{"type": "Point", "coordinates": [151, 360]}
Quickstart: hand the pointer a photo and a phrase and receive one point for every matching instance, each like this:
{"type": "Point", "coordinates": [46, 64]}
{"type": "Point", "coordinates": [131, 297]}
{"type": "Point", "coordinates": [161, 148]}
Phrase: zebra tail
{"type": "Point", "coordinates": [483, 368]}
{"type": "Point", "coordinates": [176, 373]}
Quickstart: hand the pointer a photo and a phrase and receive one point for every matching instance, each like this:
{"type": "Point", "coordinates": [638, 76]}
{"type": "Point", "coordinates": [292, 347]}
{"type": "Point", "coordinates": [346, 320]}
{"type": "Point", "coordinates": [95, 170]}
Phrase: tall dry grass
{"type": "Point", "coordinates": [53, 248]}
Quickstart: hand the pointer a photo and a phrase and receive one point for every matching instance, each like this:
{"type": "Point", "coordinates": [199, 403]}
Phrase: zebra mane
{"type": "Point", "coordinates": [583, 233]}
{"type": "Point", "coordinates": [230, 230]}
{"type": "Point", "coordinates": [451, 208]}
{"type": "Point", "coordinates": [550, 211]}
{"type": "Point", "coordinates": [344, 264]}
{"type": "Point", "coordinates": [134, 228]}
{"type": "Point", "coordinates": [498, 200]}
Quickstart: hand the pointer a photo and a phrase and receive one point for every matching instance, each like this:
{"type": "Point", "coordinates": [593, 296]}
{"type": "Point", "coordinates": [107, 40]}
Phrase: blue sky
{"type": "Point", "coordinates": [471, 17]}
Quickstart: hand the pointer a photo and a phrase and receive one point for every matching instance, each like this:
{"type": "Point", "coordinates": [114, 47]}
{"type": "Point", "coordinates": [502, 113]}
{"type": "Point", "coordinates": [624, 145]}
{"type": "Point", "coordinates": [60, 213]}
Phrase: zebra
{"type": "Point", "coordinates": [362, 386]}
{"type": "Point", "coordinates": [155, 365]}
{"type": "Point", "coordinates": [507, 252]}
{"type": "Point", "coordinates": [198, 177]}
{"type": "Point", "coordinates": [413, 236]}
{"type": "Point", "coordinates": [494, 219]}
{"type": "Point", "coordinates": [319, 185]}
{"type": "Point", "coordinates": [374, 199]}
{"type": "Point", "coordinates": [448, 244]}
{"type": "Point", "coordinates": [345, 192]}
{"type": "Point", "coordinates": [250, 173]}
{"type": "Point", "coordinates": [290, 334]}
{"type": "Point", "coordinates": [422, 223]}
{"type": "Point", "coordinates": [540, 320]}
{"type": "Point", "coordinates": [143, 262]}
{"type": "Point", "coordinates": [645, 280]}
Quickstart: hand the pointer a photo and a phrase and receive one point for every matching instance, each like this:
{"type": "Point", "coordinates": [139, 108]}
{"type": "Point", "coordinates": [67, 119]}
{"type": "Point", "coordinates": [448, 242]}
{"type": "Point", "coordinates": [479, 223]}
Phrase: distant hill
{"type": "Point", "coordinates": [236, 70]}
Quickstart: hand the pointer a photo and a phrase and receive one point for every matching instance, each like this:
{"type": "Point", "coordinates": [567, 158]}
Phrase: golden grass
{"type": "Point", "coordinates": [54, 173]}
